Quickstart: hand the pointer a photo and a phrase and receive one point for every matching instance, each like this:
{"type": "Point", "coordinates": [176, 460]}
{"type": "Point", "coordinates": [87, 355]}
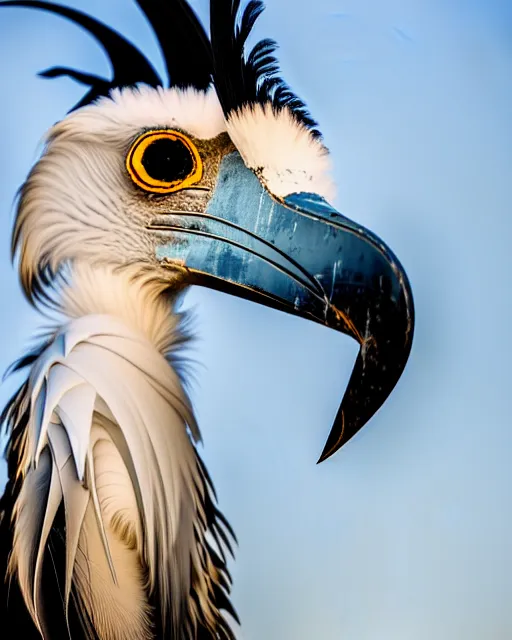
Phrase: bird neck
{"type": "Point", "coordinates": [117, 413]}
{"type": "Point", "coordinates": [132, 294]}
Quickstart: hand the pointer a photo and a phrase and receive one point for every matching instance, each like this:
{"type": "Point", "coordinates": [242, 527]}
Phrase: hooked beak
{"type": "Point", "coordinates": [301, 256]}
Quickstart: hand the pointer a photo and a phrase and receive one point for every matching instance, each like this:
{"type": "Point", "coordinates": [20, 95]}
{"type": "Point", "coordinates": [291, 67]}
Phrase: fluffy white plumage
{"type": "Point", "coordinates": [77, 198]}
{"type": "Point", "coordinates": [108, 435]}
{"type": "Point", "coordinates": [286, 156]}
{"type": "Point", "coordinates": [281, 150]}
{"type": "Point", "coordinates": [127, 111]}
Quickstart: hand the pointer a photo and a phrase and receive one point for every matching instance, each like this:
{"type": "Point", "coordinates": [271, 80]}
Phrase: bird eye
{"type": "Point", "coordinates": [164, 161]}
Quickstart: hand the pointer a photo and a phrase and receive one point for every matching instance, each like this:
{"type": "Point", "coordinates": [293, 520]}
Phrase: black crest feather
{"type": "Point", "coordinates": [243, 79]}
{"type": "Point", "coordinates": [184, 44]}
{"type": "Point", "coordinates": [192, 60]}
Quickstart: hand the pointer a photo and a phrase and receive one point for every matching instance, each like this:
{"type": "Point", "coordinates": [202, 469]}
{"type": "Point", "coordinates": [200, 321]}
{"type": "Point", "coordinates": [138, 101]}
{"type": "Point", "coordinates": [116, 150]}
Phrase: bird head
{"type": "Point", "coordinates": [221, 180]}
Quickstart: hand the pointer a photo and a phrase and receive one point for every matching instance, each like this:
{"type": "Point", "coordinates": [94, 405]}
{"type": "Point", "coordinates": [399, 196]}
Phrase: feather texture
{"type": "Point", "coordinates": [249, 79]}
{"type": "Point", "coordinates": [109, 439]}
{"type": "Point", "coordinates": [281, 151]}
{"type": "Point", "coordinates": [241, 78]}
{"type": "Point", "coordinates": [183, 41]}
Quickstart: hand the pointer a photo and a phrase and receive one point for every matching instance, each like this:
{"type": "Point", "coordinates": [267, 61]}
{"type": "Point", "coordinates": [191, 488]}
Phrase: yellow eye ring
{"type": "Point", "coordinates": [164, 161]}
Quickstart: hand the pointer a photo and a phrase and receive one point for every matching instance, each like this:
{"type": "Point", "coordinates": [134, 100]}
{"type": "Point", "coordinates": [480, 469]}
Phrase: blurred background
{"type": "Point", "coordinates": [406, 533]}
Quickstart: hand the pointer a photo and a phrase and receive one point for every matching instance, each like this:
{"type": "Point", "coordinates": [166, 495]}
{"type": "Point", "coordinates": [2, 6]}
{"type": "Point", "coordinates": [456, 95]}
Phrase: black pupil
{"type": "Point", "coordinates": [168, 160]}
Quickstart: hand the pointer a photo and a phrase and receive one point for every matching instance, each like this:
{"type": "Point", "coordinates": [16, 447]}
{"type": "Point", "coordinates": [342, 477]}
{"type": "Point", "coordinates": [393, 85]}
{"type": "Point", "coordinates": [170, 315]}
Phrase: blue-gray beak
{"type": "Point", "coordinates": [301, 256]}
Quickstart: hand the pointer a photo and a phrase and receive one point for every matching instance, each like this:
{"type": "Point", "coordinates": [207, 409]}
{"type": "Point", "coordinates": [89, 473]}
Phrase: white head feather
{"type": "Point", "coordinates": [79, 203]}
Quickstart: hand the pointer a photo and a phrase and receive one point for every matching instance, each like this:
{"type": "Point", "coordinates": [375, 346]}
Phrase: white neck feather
{"type": "Point", "coordinates": [109, 429]}
{"type": "Point", "coordinates": [132, 294]}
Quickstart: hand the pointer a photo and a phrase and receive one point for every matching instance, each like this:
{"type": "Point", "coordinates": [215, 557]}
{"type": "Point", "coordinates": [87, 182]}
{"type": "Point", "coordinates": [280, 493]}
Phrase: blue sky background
{"type": "Point", "coordinates": [406, 533]}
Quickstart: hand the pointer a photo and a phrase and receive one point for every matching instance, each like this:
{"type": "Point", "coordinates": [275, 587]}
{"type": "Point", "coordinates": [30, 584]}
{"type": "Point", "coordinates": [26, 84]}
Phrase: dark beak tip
{"type": "Point", "coordinates": [325, 455]}
{"type": "Point", "coordinates": [330, 449]}
{"type": "Point", "coordinates": [366, 394]}
{"type": "Point", "coordinates": [336, 439]}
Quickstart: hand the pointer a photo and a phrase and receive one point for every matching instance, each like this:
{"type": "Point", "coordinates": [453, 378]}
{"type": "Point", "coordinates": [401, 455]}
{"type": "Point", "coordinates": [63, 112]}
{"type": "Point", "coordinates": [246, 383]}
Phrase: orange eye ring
{"type": "Point", "coordinates": [138, 170]}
